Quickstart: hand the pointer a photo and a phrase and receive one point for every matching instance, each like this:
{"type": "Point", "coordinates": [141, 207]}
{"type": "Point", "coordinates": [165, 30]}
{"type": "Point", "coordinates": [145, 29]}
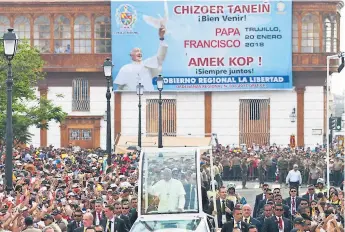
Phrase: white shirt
{"type": "Point", "coordinates": [294, 176]}
{"type": "Point", "coordinates": [171, 195]}
{"type": "Point", "coordinates": [130, 75]}
{"type": "Point", "coordinates": [280, 230]}
{"type": "Point", "coordinates": [248, 220]}
{"type": "Point", "coordinates": [235, 224]}
{"type": "Point", "coordinates": [293, 207]}
{"type": "Point", "coordinates": [111, 226]}
{"type": "Point", "coordinates": [97, 219]}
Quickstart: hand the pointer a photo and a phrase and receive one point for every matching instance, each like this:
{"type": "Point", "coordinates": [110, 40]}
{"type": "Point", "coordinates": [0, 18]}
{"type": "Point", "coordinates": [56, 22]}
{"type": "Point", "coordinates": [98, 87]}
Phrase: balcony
{"type": "Point", "coordinates": [312, 62]}
{"type": "Point", "coordinates": [74, 62]}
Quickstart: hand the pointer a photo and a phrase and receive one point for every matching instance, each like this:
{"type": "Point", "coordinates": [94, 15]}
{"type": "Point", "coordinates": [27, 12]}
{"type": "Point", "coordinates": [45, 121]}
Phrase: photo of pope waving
{"type": "Point", "coordinates": [142, 71]}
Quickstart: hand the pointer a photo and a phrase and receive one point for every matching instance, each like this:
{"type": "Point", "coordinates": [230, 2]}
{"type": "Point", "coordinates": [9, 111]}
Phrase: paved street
{"type": "Point", "coordinates": [253, 190]}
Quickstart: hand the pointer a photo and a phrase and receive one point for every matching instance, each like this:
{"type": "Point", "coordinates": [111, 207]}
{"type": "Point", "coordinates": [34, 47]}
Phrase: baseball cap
{"type": "Point", "coordinates": [29, 221]}
{"type": "Point", "coordinates": [299, 221]}
{"type": "Point", "coordinates": [47, 216]}
{"type": "Point", "coordinates": [56, 212]}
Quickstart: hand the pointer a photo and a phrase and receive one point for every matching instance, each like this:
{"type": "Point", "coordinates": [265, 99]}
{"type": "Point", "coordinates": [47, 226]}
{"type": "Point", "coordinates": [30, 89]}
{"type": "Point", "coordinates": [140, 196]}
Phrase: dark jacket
{"type": "Point", "coordinates": [71, 226]}
{"type": "Point", "coordinates": [262, 220]}
{"type": "Point", "coordinates": [271, 225]}
{"type": "Point", "coordinates": [287, 211]}
{"type": "Point", "coordinates": [228, 204]}
{"type": "Point", "coordinates": [307, 197]}
{"type": "Point", "coordinates": [297, 201]}
{"type": "Point", "coordinates": [79, 229]}
{"type": "Point", "coordinates": [133, 215]}
{"type": "Point", "coordinates": [126, 220]}
{"type": "Point", "coordinates": [260, 207]}
{"type": "Point", "coordinates": [255, 222]}
{"type": "Point", "coordinates": [229, 226]}
{"type": "Point", "coordinates": [258, 198]}
{"type": "Point", "coordinates": [95, 215]}
{"type": "Point", "coordinates": [119, 225]}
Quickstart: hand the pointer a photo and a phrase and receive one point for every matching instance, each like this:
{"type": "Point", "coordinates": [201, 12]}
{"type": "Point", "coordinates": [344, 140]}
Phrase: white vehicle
{"type": "Point", "coordinates": [169, 191]}
{"type": "Point", "coordinates": [171, 223]}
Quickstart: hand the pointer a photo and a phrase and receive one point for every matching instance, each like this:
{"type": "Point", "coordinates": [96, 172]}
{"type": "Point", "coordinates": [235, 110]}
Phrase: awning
{"type": "Point", "coordinates": [128, 141]}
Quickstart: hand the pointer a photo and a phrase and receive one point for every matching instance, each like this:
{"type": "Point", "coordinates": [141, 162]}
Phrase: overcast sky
{"type": "Point", "coordinates": [338, 80]}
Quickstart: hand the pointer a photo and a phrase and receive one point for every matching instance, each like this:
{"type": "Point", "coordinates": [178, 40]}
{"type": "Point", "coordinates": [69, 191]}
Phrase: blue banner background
{"type": "Point", "coordinates": [276, 54]}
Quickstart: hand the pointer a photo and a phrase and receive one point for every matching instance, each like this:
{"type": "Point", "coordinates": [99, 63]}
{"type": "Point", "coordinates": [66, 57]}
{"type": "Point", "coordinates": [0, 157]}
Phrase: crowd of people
{"type": "Point", "coordinates": [74, 190]}
{"type": "Point", "coordinates": [68, 190]}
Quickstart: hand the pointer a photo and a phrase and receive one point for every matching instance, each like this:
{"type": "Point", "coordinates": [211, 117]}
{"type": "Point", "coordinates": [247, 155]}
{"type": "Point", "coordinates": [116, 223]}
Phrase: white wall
{"type": "Point", "coordinates": [313, 115]}
{"type": "Point", "coordinates": [282, 104]}
{"type": "Point", "coordinates": [225, 115]}
{"type": "Point", "coordinates": [189, 107]}
{"type": "Point", "coordinates": [53, 134]}
{"type": "Point", "coordinates": [35, 139]}
{"type": "Point", "coordinates": [98, 106]}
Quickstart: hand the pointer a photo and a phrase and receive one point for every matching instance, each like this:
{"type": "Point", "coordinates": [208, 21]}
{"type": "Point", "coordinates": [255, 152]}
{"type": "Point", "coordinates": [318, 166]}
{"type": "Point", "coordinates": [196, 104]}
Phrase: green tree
{"type": "Point", "coordinates": [28, 109]}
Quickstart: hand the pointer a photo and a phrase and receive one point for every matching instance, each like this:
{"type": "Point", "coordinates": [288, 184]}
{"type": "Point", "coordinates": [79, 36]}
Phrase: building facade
{"type": "Point", "coordinates": [75, 38]}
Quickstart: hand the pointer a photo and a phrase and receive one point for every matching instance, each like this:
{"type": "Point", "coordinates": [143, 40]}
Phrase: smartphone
{"type": "Point", "coordinates": [100, 179]}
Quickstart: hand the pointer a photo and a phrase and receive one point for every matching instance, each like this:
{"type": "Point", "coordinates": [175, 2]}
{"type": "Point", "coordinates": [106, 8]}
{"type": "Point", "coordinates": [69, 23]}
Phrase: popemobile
{"type": "Point", "coordinates": [170, 198]}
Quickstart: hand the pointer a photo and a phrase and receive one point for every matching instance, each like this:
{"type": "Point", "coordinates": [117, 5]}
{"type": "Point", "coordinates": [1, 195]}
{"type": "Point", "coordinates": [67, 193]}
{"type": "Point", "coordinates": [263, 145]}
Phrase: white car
{"type": "Point", "coordinates": [172, 223]}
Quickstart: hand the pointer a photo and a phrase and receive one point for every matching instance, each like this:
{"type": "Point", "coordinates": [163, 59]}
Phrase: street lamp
{"type": "Point", "coordinates": [107, 68]}
{"type": "Point", "coordinates": [10, 41]}
{"type": "Point", "coordinates": [293, 115]}
{"type": "Point", "coordinates": [140, 92]}
{"type": "Point", "coordinates": [160, 85]}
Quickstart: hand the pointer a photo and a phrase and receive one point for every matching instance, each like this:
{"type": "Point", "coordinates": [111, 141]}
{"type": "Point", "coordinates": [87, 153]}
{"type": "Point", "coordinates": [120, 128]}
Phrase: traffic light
{"type": "Point", "coordinates": [335, 123]}
{"type": "Point", "coordinates": [332, 123]}
{"type": "Point", "coordinates": [338, 123]}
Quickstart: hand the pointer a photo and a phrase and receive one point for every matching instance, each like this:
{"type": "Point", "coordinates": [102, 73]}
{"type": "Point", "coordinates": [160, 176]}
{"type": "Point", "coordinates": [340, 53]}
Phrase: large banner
{"type": "Point", "coordinates": [202, 45]}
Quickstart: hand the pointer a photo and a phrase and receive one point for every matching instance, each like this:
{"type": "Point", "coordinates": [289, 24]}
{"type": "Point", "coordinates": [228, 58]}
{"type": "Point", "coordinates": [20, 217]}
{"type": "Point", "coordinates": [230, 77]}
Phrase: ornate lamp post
{"type": "Point", "coordinates": [160, 86]}
{"type": "Point", "coordinates": [107, 68]}
{"type": "Point", "coordinates": [293, 115]}
{"type": "Point", "coordinates": [10, 41]}
{"type": "Point", "coordinates": [140, 92]}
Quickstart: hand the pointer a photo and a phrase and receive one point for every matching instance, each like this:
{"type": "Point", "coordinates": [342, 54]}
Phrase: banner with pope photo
{"type": "Point", "coordinates": [202, 45]}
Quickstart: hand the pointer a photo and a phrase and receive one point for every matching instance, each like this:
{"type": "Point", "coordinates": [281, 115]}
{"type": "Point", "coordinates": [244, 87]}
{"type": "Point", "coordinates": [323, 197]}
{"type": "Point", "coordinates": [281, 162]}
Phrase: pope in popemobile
{"type": "Point", "coordinates": [142, 71]}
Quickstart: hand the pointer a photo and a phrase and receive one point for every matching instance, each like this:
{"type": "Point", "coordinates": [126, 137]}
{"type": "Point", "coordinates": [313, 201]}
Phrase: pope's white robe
{"type": "Point", "coordinates": [171, 195]}
{"type": "Point", "coordinates": [130, 75]}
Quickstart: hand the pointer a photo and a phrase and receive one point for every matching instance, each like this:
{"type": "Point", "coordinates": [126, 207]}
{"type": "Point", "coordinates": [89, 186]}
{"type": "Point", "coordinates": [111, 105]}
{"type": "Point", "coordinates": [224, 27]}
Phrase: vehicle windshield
{"type": "Point", "coordinates": [169, 182]}
{"type": "Point", "coordinates": [169, 226]}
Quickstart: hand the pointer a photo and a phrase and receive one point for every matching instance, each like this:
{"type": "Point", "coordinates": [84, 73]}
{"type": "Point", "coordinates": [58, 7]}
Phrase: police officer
{"type": "Point", "coordinates": [283, 169]}
{"type": "Point", "coordinates": [244, 170]}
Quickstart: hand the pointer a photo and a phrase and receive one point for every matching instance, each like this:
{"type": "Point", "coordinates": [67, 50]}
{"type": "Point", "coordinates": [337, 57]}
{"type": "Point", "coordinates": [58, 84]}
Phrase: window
{"type": "Point", "coordinates": [254, 109]}
{"type": "Point", "coordinates": [81, 95]}
{"type": "Point", "coordinates": [310, 34]}
{"type": "Point", "coordinates": [102, 35]}
{"type": "Point", "coordinates": [168, 117]}
{"type": "Point", "coordinates": [254, 121]}
{"type": "Point", "coordinates": [330, 36]}
{"type": "Point", "coordinates": [82, 35]}
{"type": "Point", "coordinates": [294, 34]}
{"type": "Point", "coordinates": [22, 27]}
{"type": "Point", "coordinates": [62, 35]}
{"type": "Point", "coordinates": [4, 24]}
{"type": "Point", "coordinates": [42, 34]}
{"type": "Point", "coordinates": [80, 134]}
